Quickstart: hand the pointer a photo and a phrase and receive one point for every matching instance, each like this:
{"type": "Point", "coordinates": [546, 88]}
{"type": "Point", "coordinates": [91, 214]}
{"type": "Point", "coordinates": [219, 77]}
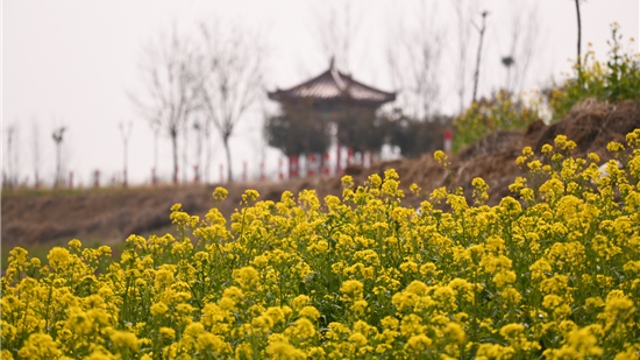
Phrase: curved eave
{"type": "Point", "coordinates": [286, 97]}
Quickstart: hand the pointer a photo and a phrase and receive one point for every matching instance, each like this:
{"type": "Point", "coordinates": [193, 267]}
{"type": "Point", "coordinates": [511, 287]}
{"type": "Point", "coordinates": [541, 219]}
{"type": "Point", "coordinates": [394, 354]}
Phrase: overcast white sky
{"type": "Point", "coordinates": [72, 62]}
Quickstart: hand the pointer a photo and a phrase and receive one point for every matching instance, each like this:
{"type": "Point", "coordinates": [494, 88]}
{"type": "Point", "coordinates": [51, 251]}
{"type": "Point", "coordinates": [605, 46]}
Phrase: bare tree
{"type": "Point", "coordinates": [125, 133]}
{"type": "Point", "coordinates": [464, 10]}
{"type": "Point", "coordinates": [199, 130]}
{"type": "Point", "coordinates": [12, 155]}
{"type": "Point", "coordinates": [508, 62]}
{"type": "Point", "coordinates": [476, 75]}
{"type": "Point", "coordinates": [578, 60]}
{"type": "Point", "coordinates": [170, 84]}
{"type": "Point", "coordinates": [36, 154]}
{"type": "Point", "coordinates": [58, 137]}
{"type": "Point", "coordinates": [155, 126]}
{"type": "Point", "coordinates": [338, 25]}
{"type": "Point", "coordinates": [232, 78]}
{"type": "Point", "coordinates": [206, 129]}
{"type": "Point", "coordinates": [185, 151]}
{"type": "Point", "coordinates": [413, 57]}
{"type": "Point", "coordinates": [524, 29]}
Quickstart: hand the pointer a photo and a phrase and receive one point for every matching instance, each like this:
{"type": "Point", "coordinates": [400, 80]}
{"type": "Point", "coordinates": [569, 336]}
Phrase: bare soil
{"type": "Point", "coordinates": [30, 218]}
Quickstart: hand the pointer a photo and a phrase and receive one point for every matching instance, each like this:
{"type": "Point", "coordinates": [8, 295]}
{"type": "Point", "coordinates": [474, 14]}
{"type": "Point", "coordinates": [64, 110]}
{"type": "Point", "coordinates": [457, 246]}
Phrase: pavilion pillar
{"type": "Point", "coordinates": [294, 169]}
{"type": "Point", "coordinates": [338, 159]}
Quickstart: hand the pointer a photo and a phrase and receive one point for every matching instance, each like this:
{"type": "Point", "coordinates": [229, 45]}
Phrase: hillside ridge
{"type": "Point", "coordinates": [110, 216]}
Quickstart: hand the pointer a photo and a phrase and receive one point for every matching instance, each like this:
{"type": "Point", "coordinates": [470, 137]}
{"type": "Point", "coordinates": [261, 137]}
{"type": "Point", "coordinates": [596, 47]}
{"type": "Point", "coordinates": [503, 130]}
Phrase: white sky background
{"type": "Point", "coordinates": [72, 62]}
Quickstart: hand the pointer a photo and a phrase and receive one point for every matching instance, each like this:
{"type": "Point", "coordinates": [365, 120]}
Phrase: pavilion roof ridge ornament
{"type": "Point", "coordinates": [333, 85]}
{"type": "Point", "coordinates": [336, 75]}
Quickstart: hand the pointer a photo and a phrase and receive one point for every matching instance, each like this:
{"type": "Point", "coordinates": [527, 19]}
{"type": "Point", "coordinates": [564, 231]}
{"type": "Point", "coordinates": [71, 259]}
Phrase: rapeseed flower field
{"type": "Point", "coordinates": [552, 272]}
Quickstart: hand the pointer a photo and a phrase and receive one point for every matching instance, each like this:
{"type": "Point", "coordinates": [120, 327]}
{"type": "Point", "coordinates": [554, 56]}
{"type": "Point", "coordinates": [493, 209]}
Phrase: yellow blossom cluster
{"type": "Point", "coordinates": [552, 272]}
{"type": "Point", "coordinates": [504, 110]}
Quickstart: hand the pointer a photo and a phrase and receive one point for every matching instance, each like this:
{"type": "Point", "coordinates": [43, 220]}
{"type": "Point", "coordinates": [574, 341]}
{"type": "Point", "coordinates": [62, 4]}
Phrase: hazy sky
{"type": "Point", "coordinates": [72, 63]}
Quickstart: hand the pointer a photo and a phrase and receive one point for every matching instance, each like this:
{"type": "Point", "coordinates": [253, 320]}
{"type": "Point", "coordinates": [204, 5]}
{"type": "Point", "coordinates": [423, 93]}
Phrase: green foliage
{"type": "Point", "coordinates": [615, 80]}
{"type": "Point", "coordinates": [307, 128]}
{"type": "Point", "coordinates": [298, 131]}
{"type": "Point", "coordinates": [415, 137]}
{"type": "Point", "coordinates": [361, 131]}
{"type": "Point", "coordinates": [503, 111]}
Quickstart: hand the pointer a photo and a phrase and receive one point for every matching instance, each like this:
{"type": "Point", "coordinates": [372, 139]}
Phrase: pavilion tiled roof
{"type": "Point", "coordinates": [333, 85]}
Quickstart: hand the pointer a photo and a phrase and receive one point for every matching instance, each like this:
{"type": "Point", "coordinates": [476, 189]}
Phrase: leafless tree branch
{"type": "Point", "coordinates": [169, 80]}
{"type": "Point", "coordinates": [232, 76]}
{"type": "Point", "coordinates": [464, 10]}
{"type": "Point", "coordinates": [413, 57]}
{"type": "Point", "coordinates": [524, 30]}
{"type": "Point", "coordinates": [338, 25]}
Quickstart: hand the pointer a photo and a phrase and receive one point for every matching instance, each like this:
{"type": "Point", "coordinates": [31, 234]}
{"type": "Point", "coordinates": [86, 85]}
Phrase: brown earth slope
{"type": "Point", "coordinates": [111, 215]}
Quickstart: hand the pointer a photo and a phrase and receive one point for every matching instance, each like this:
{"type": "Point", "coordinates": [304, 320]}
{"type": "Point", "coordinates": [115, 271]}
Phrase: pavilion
{"type": "Point", "coordinates": [335, 97]}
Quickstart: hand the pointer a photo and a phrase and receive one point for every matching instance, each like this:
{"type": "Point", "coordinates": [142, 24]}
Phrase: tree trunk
{"type": "Point", "coordinates": [185, 157]}
{"type": "Point", "coordinates": [124, 172]}
{"type": "Point", "coordinates": [477, 73]}
{"type": "Point", "coordinates": [58, 166]}
{"type": "Point", "coordinates": [207, 161]}
{"type": "Point", "coordinates": [155, 149]}
{"type": "Point", "coordinates": [225, 142]}
{"type": "Point", "coordinates": [174, 145]}
{"type": "Point", "coordinates": [579, 35]}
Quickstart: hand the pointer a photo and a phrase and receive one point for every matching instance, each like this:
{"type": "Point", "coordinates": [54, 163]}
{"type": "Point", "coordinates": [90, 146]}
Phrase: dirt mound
{"type": "Point", "coordinates": [111, 215]}
{"type": "Point", "coordinates": [591, 124]}
{"type": "Point", "coordinates": [491, 145]}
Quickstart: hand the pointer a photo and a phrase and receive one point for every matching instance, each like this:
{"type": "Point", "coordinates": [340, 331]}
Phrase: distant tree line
{"type": "Point", "coordinates": [307, 133]}
{"type": "Point", "coordinates": [210, 80]}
